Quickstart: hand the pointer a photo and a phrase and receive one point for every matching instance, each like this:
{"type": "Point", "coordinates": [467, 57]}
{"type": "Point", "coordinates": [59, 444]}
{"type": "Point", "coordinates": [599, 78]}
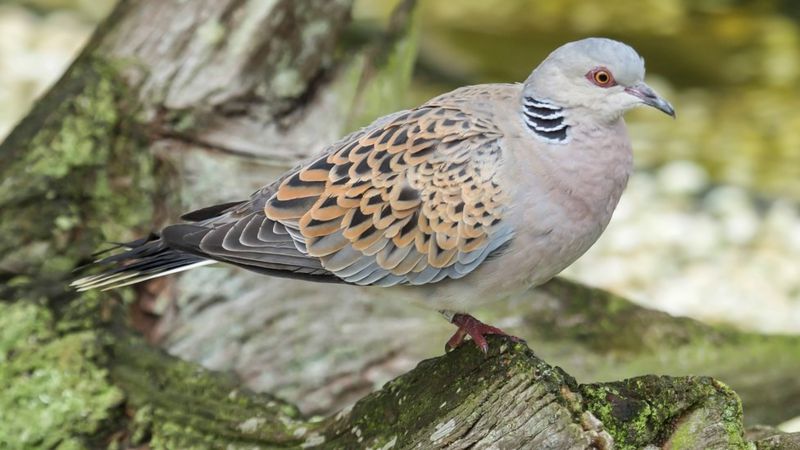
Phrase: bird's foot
{"type": "Point", "coordinates": [477, 330]}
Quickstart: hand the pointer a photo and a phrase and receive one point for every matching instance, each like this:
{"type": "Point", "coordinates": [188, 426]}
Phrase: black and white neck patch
{"type": "Point", "coordinates": [545, 119]}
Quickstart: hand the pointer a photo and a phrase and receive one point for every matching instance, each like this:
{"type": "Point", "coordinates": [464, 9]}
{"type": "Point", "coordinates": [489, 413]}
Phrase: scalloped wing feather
{"type": "Point", "coordinates": [411, 199]}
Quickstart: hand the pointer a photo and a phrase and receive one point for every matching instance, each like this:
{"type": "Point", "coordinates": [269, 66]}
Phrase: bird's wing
{"type": "Point", "coordinates": [240, 233]}
{"type": "Point", "coordinates": [412, 198]}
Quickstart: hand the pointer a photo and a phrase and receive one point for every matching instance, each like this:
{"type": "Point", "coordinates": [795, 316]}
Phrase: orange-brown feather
{"type": "Point", "coordinates": [411, 193]}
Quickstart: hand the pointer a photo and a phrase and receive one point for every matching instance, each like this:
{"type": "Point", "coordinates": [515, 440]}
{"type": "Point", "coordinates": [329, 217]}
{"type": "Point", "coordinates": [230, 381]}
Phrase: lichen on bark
{"type": "Point", "coordinates": [214, 412]}
{"type": "Point", "coordinates": [71, 164]}
{"type": "Point", "coordinates": [77, 132]}
{"type": "Point", "coordinates": [665, 411]}
{"type": "Point", "coordinates": [56, 393]}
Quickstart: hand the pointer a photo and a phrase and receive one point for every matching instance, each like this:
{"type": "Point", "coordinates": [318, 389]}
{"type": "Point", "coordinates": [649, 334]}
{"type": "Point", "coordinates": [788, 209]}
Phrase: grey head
{"type": "Point", "coordinates": [602, 77]}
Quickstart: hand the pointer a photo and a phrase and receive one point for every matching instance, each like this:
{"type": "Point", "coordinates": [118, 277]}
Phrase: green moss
{"type": "Point", "coordinates": [722, 410]}
{"type": "Point", "coordinates": [732, 415]}
{"type": "Point", "coordinates": [625, 416]}
{"type": "Point", "coordinates": [650, 409]}
{"type": "Point", "coordinates": [66, 170]}
{"type": "Point", "coordinates": [74, 163]}
{"type": "Point", "coordinates": [22, 323]}
{"type": "Point", "coordinates": [92, 117]}
{"type": "Point", "coordinates": [454, 385]}
{"type": "Point", "coordinates": [142, 425]}
{"type": "Point", "coordinates": [53, 390]}
{"type": "Point", "coordinates": [598, 336]}
{"type": "Point", "coordinates": [215, 411]}
{"type": "Point", "coordinates": [432, 384]}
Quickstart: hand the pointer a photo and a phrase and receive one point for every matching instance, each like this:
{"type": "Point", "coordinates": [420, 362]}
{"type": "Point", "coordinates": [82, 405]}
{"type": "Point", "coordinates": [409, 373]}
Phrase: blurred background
{"type": "Point", "coordinates": [710, 224]}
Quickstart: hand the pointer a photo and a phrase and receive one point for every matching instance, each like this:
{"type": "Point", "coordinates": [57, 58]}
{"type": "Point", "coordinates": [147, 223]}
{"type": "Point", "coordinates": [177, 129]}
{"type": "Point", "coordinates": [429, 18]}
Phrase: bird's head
{"type": "Point", "coordinates": [602, 76]}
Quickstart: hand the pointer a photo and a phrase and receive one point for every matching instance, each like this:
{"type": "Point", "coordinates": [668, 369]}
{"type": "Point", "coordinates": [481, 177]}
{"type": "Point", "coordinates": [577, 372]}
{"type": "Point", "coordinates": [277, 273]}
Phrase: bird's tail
{"type": "Point", "coordinates": [141, 260]}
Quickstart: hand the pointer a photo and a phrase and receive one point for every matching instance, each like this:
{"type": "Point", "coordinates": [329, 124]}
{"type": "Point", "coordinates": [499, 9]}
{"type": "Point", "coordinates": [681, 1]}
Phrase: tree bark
{"type": "Point", "coordinates": [175, 105]}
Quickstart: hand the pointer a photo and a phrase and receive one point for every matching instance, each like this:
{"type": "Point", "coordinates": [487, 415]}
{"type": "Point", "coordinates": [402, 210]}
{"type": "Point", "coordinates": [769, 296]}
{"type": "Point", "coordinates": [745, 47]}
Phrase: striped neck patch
{"type": "Point", "coordinates": [545, 119]}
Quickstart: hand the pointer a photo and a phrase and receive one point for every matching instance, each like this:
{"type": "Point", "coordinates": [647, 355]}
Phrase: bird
{"type": "Point", "coordinates": [477, 194]}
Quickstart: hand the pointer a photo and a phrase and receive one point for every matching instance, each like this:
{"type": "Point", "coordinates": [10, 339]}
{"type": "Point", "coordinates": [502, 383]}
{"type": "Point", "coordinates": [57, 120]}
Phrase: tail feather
{"type": "Point", "coordinates": [142, 260]}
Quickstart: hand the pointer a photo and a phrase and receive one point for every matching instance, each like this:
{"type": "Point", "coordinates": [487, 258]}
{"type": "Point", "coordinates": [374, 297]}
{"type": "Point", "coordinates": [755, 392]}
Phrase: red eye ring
{"type": "Point", "coordinates": [601, 77]}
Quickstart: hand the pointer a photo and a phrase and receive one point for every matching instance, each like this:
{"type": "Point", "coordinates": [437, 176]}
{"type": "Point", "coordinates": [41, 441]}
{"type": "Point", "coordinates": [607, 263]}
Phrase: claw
{"type": "Point", "coordinates": [477, 330]}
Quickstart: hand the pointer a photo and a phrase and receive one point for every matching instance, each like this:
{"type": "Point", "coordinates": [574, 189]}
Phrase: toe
{"type": "Point", "coordinates": [456, 339]}
{"type": "Point", "coordinates": [480, 341]}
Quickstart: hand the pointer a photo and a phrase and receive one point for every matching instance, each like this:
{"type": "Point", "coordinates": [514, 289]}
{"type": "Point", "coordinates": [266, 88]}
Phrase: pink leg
{"type": "Point", "coordinates": [477, 330]}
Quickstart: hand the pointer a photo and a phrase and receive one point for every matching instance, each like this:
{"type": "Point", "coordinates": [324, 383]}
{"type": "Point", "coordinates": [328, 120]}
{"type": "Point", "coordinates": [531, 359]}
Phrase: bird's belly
{"type": "Point", "coordinates": [545, 253]}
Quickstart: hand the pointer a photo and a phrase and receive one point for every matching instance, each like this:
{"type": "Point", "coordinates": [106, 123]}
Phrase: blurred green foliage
{"type": "Point", "coordinates": [730, 67]}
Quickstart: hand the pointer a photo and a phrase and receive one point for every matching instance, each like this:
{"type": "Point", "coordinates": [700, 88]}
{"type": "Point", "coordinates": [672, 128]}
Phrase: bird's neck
{"type": "Point", "coordinates": [547, 121]}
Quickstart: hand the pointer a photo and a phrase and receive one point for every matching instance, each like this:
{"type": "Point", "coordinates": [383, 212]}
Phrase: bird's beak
{"type": "Point", "coordinates": [649, 97]}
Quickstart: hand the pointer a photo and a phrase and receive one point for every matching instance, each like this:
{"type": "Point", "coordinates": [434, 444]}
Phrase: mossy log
{"type": "Point", "coordinates": [345, 342]}
{"type": "Point", "coordinates": [76, 383]}
{"type": "Point", "coordinates": [178, 104]}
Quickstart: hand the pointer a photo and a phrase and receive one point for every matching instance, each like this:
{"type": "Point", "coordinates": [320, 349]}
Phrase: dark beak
{"type": "Point", "coordinates": [650, 98]}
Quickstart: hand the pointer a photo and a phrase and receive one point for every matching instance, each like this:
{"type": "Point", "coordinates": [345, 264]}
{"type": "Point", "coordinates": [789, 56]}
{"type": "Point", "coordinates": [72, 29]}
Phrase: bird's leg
{"type": "Point", "coordinates": [477, 330]}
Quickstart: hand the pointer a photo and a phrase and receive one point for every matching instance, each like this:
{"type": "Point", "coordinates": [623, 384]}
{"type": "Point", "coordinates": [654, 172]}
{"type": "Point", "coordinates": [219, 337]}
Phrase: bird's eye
{"type": "Point", "coordinates": [601, 77]}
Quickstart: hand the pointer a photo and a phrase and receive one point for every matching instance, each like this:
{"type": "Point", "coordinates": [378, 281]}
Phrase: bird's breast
{"type": "Point", "coordinates": [564, 197]}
